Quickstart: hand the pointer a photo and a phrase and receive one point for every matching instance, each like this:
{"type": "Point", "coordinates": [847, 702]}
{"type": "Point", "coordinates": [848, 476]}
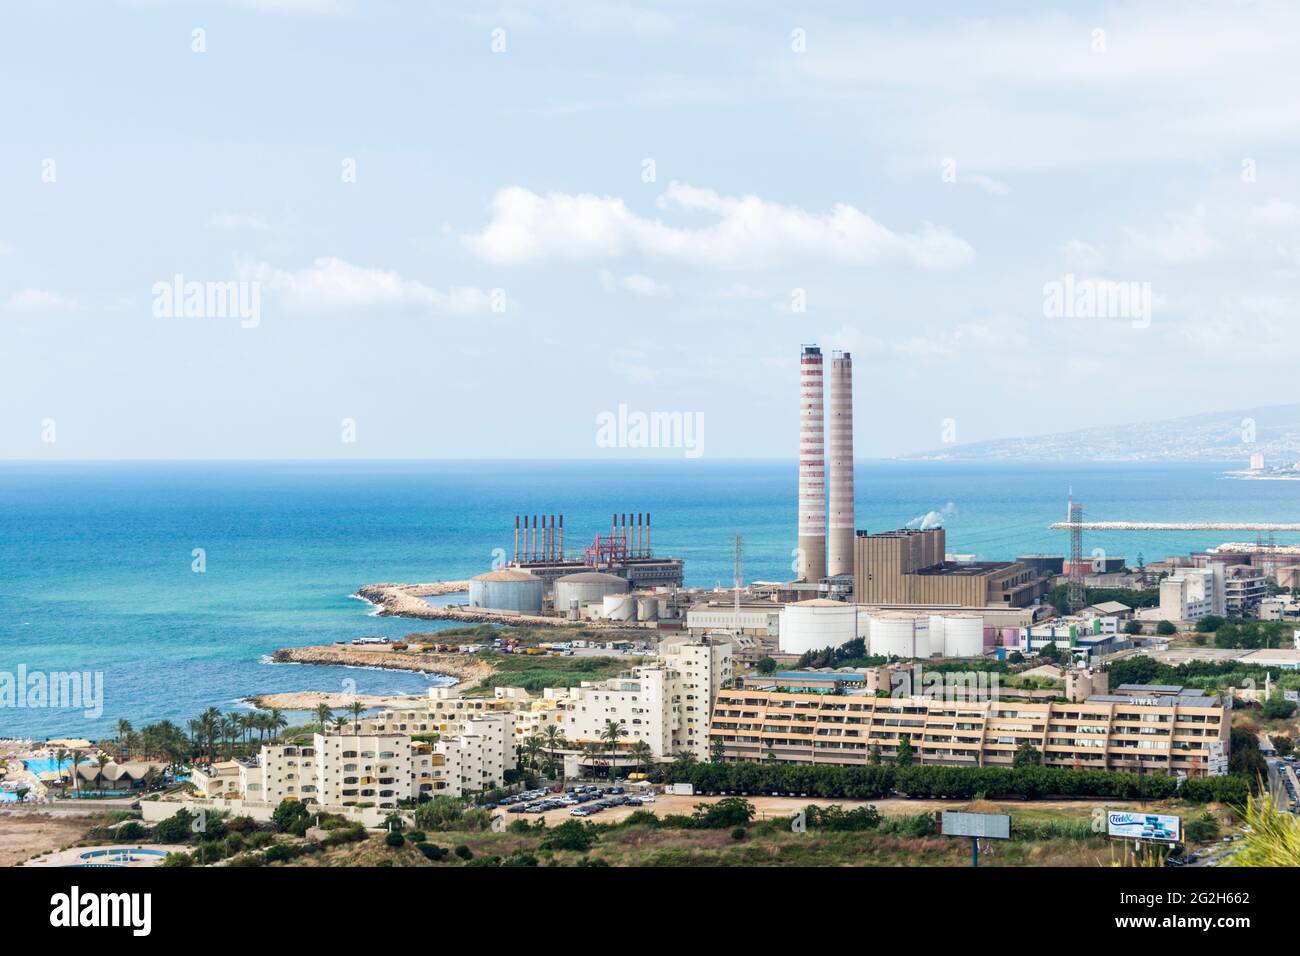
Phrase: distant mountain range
{"type": "Point", "coordinates": [1273, 431]}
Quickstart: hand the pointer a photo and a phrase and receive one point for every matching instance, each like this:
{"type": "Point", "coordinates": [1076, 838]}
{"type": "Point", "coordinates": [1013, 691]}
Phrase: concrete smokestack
{"type": "Point", "coordinates": [839, 539]}
{"type": "Point", "coordinates": [812, 468]}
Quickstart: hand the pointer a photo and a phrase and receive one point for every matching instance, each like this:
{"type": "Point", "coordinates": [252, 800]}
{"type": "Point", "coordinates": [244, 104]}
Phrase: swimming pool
{"type": "Point", "coordinates": [40, 765]}
{"type": "Point", "coordinates": [8, 796]}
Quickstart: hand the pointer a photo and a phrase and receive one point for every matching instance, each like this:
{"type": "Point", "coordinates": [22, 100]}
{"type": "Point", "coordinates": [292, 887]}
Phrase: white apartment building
{"type": "Point", "coordinates": [667, 704]}
{"type": "Point", "coordinates": [384, 768]}
{"type": "Point", "coordinates": [1190, 594]}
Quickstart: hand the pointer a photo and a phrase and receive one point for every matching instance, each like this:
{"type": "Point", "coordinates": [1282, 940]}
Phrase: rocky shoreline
{"type": "Point", "coordinates": [466, 668]}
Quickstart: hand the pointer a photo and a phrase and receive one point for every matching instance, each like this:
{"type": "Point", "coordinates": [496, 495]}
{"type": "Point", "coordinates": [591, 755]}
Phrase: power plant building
{"type": "Point", "coordinates": [908, 567]}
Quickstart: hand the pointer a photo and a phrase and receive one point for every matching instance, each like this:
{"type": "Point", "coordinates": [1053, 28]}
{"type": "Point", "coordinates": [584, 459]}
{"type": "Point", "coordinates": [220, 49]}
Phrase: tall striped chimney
{"type": "Point", "coordinates": [839, 538]}
{"type": "Point", "coordinates": [812, 468]}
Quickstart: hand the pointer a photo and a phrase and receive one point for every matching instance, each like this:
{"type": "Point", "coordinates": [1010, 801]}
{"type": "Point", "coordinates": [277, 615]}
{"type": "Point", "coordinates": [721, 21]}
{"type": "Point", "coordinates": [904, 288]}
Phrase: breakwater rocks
{"type": "Point", "coordinates": [467, 668]}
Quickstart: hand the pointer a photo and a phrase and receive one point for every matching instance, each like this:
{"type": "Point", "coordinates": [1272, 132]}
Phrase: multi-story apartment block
{"type": "Point", "coordinates": [1138, 729]}
{"type": "Point", "coordinates": [384, 768]}
{"type": "Point", "coordinates": [666, 705]}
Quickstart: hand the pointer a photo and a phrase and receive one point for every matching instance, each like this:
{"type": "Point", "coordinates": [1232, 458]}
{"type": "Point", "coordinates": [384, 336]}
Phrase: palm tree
{"type": "Point", "coordinates": [554, 738]}
{"type": "Point", "coordinates": [531, 747]}
{"type": "Point", "coordinates": [230, 727]}
{"type": "Point", "coordinates": [643, 753]}
{"type": "Point", "coordinates": [323, 716]}
{"type": "Point", "coordinates": [357, 708]}
{"type": "Point", "coordinates": [102, 759]}
{"type": "Point", "coordinates": [210, 720]}
{"type": "Point", "coordinates": [60, 758]}
{"type": "Point", "coordinates": [611, 735]}
{"type": "Point", "coordinates": [76, 759]}
{"type": "Point", "coordinates": [124, 736]}
{"type": "Point", "coordinates": [276, 722]}
{"type": "Point", "coordinates": [591, 753]}
{"type": "Point", "coordinates": [340, 723]}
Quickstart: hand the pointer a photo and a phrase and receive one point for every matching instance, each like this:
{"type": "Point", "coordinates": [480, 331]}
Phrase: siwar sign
{"type": "Point", "coordinates": [1158, 827]}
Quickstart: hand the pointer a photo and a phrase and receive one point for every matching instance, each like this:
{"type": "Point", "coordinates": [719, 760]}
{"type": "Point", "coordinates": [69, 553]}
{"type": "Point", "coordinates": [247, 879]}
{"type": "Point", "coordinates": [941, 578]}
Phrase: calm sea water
{"type": "Point", "coordinates": [95, 559]}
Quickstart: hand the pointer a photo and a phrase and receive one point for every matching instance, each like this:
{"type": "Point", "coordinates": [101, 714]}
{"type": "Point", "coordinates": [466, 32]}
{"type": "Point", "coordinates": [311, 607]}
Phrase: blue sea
{"type": "Point", "coordinates": [95, 558]}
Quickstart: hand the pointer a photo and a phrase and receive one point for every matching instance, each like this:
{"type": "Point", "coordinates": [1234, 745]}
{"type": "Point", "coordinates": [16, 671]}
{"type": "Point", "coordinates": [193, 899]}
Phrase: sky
{"type": "Point", "coordinates": [478, 230]}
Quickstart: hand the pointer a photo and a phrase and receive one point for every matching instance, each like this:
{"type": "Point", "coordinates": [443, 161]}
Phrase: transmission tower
{"type": "Point", "coordinates": [1074, 511]}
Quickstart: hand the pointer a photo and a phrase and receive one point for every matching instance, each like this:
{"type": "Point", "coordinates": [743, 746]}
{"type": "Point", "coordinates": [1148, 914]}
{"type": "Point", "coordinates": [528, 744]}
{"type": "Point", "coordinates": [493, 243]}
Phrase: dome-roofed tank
{"type": "Point", "coordinates": [509, 589]}
{"type": "Point", "coordinates": [587, 587]}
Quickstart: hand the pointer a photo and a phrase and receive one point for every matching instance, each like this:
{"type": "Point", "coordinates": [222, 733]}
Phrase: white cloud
{"type": "Point", "coordinates": [1083, 255]}
{"type": "Point", "coordinates": [749, 232]}
{"type": "Point", "coordinates": [1183, 238]}
{"type": "Point", "coordinates": [1029, 90]}
{"type": "Point", "coordinates": [331, 284]}
{"type": "Point", "coordinates": [39, 300]}
{"type": "Point", "coordinates": [644, 285]}
{"type": "Point", "coordinates": [1275, 212]}
{"type": "Point", "coordinates": [238, 220]}
{"type": "Point", "coordinates": [6, 249]}
{"type": "Point", "coordinates": [994, 187]}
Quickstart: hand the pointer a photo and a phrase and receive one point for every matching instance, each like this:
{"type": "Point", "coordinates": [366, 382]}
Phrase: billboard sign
{"type": "Point", "coordinates": [1157, 827]}
{"type": "Point", "coordinates": [985, 826]}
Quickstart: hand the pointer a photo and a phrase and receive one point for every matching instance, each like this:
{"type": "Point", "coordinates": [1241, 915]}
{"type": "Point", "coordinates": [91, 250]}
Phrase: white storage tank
{"type": "Point", "coordinates": [936, 627]}
{"type": "Point", "coordinates": [817, 624]}
{"type": "Point", "coordinates": [963, 635]}
{"type": "Point", "coordinates": [923, 647]}
{"type": "Point", "coordinates": [895, 635]}
{"type": "Point", "coordinates": [618, 607]}
{"type": "Point", "coordinates": [587, 587]}
{"type": "Point", "coordinates": [647, 607]}
{"type": "Point", "coordinates": [509, 589]}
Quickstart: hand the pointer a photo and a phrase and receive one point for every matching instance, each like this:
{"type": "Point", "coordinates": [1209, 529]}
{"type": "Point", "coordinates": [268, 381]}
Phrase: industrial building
{"type": "Point", "coordinates": [908, 566]}
{"type": "Point", "coordinates": [1141, 729]}
{"type": "Point", "coordinates": [510, 589]}
{"type": "Point", "coordinates": [625, 552]}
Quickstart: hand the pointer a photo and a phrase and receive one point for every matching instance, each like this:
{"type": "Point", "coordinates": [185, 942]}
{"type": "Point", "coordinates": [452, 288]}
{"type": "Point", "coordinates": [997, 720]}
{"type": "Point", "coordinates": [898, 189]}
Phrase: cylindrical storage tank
{"type": "Point", "coordinates": [817, 624]}
{"type": "Point", "coordinates": [665, 607]}
{"type": "Point", "coordinates": [893, 635]}
{"type": "Point", "coordinates": [587, 587]}
{"type": "Point", "coordinates": [936, 629]}
{"type": "Point", "coordinates": [963, 636]}
{"type": "Point", "coordinates": [647, 607]}
{"type": "Point", "coordinates": [921, 648]}
{"type": "Point", "coordinates": [619, 607]}
{"type": "Point", "coordinates": [575, 610]}
{"type": "Point", "coordinates": [509, 589]}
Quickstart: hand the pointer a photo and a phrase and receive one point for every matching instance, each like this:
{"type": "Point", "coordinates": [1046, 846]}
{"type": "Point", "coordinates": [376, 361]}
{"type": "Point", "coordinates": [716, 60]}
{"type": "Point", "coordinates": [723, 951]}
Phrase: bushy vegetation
{"type": "Point", "coordinates": [875, 782]}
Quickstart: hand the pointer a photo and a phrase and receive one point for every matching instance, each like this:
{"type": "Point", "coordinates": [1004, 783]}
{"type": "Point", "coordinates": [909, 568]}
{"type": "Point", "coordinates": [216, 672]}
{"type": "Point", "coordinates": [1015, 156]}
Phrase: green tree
{"type": "Point", "coordinates": [643, 754]}
{"type": "Point", "coordinates": [1133, 627]}
{"type": "Point", "coordinates": [765, 665]}
{"type": "Point", "coordinates": [1027, 755]}
{"type": "Point", "coordinates": [530, 748]}
{"type": "Point", "coordinates": [611, 735]}
{"type": "Point", "coordinates": [554, 738]}
{"type": "Point", "coordinates": [1166, 629]}
{"type": "Point", "coordinates": [1278, 707]}
{"type": "Point", "coordinates": [323, 716]}
{"type": "Point", "coordinates": [905, 756]}
{"type": "Point", "coordinates": [591, 753]}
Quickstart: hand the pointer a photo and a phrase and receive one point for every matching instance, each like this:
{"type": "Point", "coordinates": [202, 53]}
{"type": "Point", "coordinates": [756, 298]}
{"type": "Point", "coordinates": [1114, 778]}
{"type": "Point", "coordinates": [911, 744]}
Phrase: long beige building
{"type": "Point", "coordinates": [1142, 729]}
{"type": "Point", "coordinates": [909, 567]}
